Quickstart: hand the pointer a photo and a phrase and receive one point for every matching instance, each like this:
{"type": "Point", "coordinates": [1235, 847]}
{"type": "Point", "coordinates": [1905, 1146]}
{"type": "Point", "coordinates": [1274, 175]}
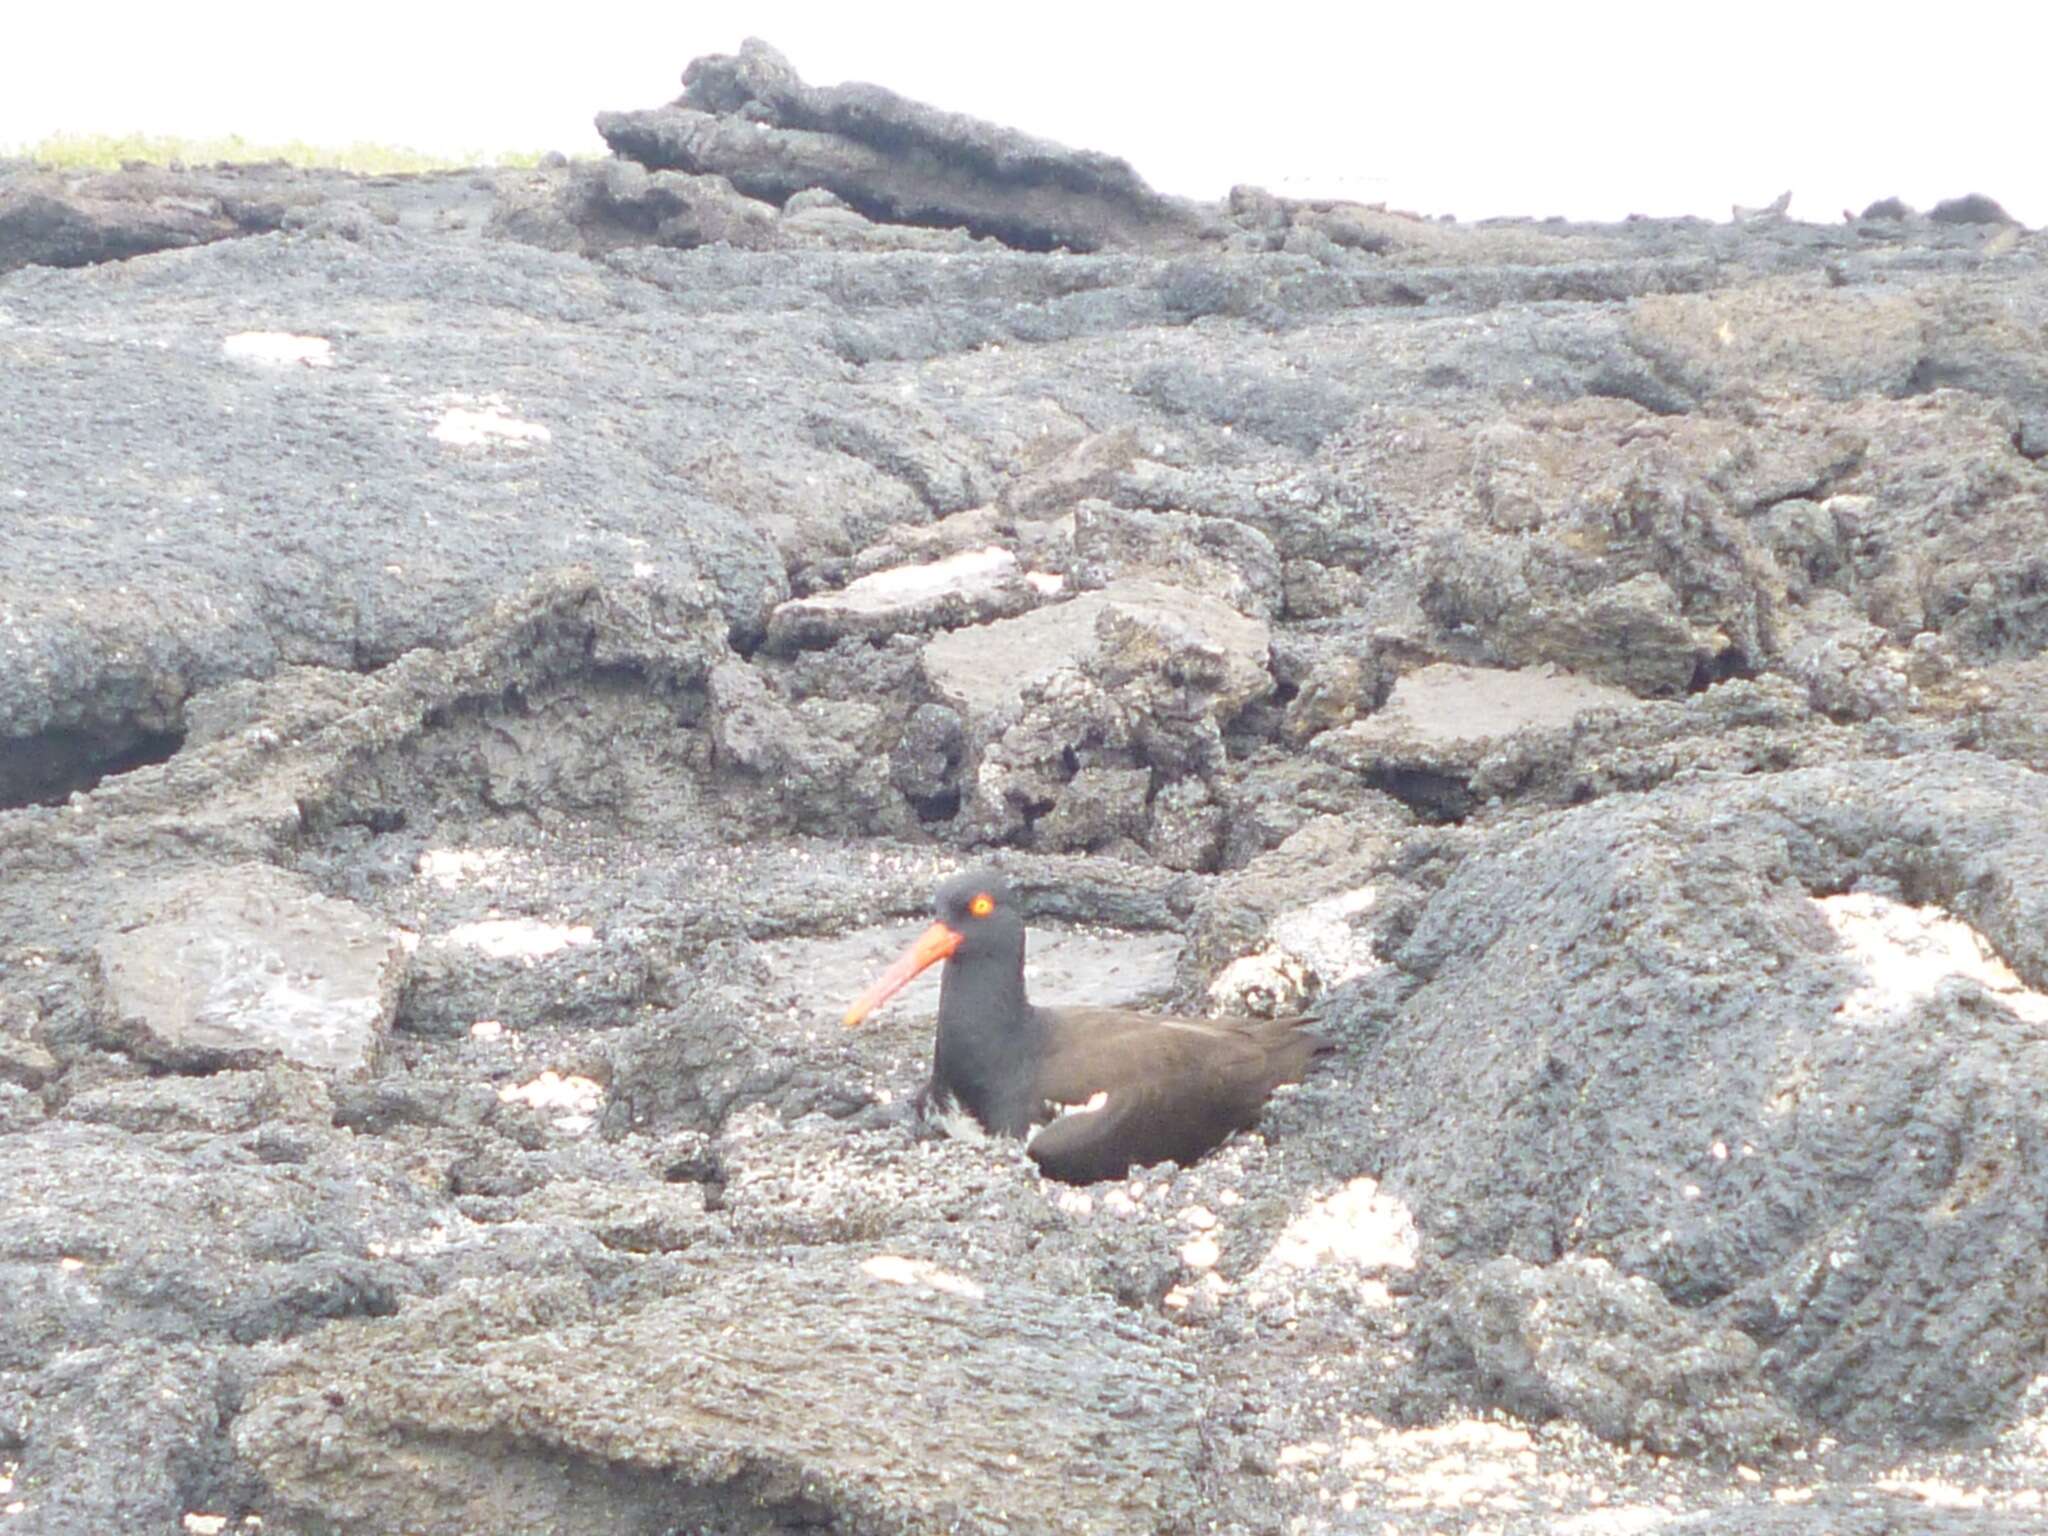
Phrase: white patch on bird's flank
{"type": "Point", "coordinates": [1312, 948]}
{"type": "Point", "coordinates": [279, 349]}
{"type": "Point", "coordinates": [898, 1270]}
{"type": "Point", "coordinates": [1061, 1111]}
{"type": "Point", "coordinates": [1907, 952]}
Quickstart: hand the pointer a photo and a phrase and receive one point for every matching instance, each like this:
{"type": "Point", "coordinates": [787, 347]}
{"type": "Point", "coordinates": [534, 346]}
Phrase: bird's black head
{"type": "Point", "coordinates": [981, 908]}
{"type": "Point", "coordinates": [979, 925]}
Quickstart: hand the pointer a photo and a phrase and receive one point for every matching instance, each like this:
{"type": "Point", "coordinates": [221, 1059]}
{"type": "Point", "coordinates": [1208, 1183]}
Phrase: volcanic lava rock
{"type": "Point", "coordinates": [748, 118]}
{"type": "Point", "coordinates": [1579, 1339]}
{"type": "Point", "coordinates": [230, 968]}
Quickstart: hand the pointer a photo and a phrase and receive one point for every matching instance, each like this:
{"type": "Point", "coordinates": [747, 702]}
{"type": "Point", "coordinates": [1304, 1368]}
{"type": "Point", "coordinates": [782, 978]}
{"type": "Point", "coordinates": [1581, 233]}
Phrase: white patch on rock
{"type": "Point", "coordinates": [909, 583]}
{"type": "Point", "coordinates": [279, 349]}
{"type": "Point", "coordinates": [1616, 1520]}
{"type": "Point", "coordinates": [1308, 950]}
{"type": "Point", "coordinates": [1357, 1226]}
{"type": "Point", "coordinates": [985, 671]}
{"type": "Point", "coordinates": [574, 1100]}
{"type": "Point", "coordinates": [898, 1270]}
{"type": "Point", "coordinates": [1466, 1465]}
{"type": "Point", "coordinates": [520, 938]}
{"type": "Point", "coordinates": [452, 867]}
{"type": "Point", "coordinates": [1448, 718]}
{"type": "Point", "coordinates": [1201, 1252]}
{"type": "Point", "coordinates": [248, 961]}
{"type": "Point", "coordinates": [487, 423]}
{"type": "Point", "coordinates": [972, 586]}
{"type": "Point", "coordinates": [1934, 1492]}
{"type": "Point", "coordinates": [1907, 952]}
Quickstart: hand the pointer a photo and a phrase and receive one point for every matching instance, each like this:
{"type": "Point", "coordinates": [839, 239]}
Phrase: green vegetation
{"type": "Point", "coordinates": [107, 152]}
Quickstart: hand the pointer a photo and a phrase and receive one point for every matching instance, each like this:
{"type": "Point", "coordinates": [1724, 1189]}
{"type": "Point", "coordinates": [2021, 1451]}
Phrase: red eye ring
{"type": "Point", "coordinates": [982, 905]}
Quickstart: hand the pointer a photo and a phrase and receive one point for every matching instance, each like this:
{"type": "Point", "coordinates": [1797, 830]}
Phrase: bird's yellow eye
{"type": "Point", "coordinates": [982, 905]}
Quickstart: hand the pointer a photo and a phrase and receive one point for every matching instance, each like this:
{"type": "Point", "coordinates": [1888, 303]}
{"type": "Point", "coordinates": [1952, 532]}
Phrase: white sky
{"type": "Point", "coordinates": [1586, 110]}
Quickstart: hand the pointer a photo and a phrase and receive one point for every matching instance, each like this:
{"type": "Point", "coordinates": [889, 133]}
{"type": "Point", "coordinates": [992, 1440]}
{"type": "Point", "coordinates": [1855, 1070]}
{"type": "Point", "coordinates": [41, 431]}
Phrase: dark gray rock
{"type": "Point", "coordinates": [24, 1060]}
{"type": "Point", "coordinates": [1578, 1339]}
{"type": "Point", "coordinates": [1056, 483]}
{"type": "Point", "coordinates": [57, 220]}
{"type": "Point", "coordinates": [686, 1404]}
{"type": "Point", "coordinates": [1803, 1179]}
{"type": "Point", "coordinates": [221, 1104]}
{"type": "Point", "coordinates": [1443, 721]}
{"type": "Point", "coordinates": [1971, 208]}
{"type": "Point", "coordinates": [748, 118]}
{"type": "Point", "coordinates": [593, 208]}
{"type": "Point", "coordinates": [250, 963]}
{"type": "Point", "coordinates": [173, 1400]}
{"type": "Point", "coordinates": [1225, 559]}
{"type": "Point", "coordinates": [1108, 697]}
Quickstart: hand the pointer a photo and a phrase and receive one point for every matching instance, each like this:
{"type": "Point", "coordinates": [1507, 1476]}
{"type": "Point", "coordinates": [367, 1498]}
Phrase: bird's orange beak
{"type": "Point", "coordinates": [932, 946]}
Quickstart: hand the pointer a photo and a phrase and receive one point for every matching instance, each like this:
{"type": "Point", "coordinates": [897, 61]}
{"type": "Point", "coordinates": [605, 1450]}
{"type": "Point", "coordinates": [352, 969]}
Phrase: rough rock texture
{"type": "Point", "coordinates": [57, 220]}
{"type": "Point", "coordinates": [1575, 1338]}
{"type": "Point", "coordinates": [228, 967]}
{"type": "Point", "coordinates": [747, 118]}
{"type": "Point", "coordinates": [1602, 670]}
{"type": "Point", "coordinates": [698, 1390]}
{"type": "Point", "coordinates": [969, 588]}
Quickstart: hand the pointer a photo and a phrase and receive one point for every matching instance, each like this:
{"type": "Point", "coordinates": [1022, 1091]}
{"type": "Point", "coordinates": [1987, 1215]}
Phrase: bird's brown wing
{"type": "Point", "coordinates": [1136, 1088]}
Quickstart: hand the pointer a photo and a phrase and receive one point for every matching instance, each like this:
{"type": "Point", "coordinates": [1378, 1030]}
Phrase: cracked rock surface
{"type": "Point", "coordinates": [491, 664]}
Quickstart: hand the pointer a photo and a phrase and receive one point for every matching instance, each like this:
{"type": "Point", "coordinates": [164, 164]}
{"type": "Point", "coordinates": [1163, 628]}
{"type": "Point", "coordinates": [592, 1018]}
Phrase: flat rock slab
{"type": "Point", "coordinates": [855, 1391]}
{"type": "Point", "coordinates": [232, 966]}
{"type": "Point", "coordinates": [985, 670]}
{"type": "Point", "coordinates": [972, 587]}
{"type": "Point", "coordinates": [1449, 717]}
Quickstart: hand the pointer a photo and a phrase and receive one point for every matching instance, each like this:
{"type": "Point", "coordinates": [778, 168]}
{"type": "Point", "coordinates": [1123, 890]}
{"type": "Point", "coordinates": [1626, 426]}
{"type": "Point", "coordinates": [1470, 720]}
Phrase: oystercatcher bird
{"type": "Point", "coordinates": [1091, 1091]}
